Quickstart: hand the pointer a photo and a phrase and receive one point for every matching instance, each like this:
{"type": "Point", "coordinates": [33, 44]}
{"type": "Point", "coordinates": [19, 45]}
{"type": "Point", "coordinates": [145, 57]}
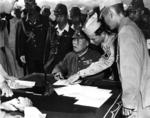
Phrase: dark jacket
{"type": "Point", "coordinates": [30, 39]}
{"type": "Point", "coordinates": [57, 47]}
{"type": "Point", "coordinates": [72, 63]}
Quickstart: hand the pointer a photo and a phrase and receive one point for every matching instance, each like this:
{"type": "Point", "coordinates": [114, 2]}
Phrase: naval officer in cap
{"type": "Point", "coordinates": [134, 61]}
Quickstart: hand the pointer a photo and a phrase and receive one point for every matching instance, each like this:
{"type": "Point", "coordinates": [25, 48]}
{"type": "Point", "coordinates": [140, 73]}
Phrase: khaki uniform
{"type": "Point", "coordinates": [134, 68]}
{"type": "Point", "coordinates": [104, 62]}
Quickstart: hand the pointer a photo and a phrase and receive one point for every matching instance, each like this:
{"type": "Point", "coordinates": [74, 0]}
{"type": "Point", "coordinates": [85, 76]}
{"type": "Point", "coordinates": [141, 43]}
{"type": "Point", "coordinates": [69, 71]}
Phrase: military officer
{"type": "Point", "coordinates": [31, 37]}
{"type": "Point", "coordinates": [102, 39]}
{"type": "Point", "coordinates": [60, 38]}
{"type": "Point", "coordinates": [80, 58]}
{"type": "Point", "coordinates": [134, 61]}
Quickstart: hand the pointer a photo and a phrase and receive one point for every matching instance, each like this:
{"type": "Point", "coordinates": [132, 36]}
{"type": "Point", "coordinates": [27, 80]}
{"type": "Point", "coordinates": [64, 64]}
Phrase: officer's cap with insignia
{"type": "Point", "coordinates": [60, 9]}
{"type": "Point", "coordinates": [79, 34]}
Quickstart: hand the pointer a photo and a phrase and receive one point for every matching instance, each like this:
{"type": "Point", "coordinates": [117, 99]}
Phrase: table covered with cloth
{"type": "Point", "coordinates": [63, 107]}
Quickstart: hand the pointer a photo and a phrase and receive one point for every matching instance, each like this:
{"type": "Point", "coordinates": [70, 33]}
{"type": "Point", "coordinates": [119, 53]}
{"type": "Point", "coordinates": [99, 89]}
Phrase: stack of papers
{"type": "Point", "coordinates": [85, 95]}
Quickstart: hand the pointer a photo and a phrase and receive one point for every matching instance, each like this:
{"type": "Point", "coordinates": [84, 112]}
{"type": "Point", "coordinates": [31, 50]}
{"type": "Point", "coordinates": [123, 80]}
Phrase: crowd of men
{"type": "Point", "coordinates": [107, 43]}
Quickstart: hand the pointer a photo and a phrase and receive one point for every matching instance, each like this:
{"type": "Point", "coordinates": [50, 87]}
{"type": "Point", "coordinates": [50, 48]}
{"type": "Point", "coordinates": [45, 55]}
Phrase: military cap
{"type": "Point", "coordinates": [75, 11]}
{"type": "Point", "coordinates": [60, 9]}
{"type": "Point", "coordinates": [79, 34]}
{"type": "Point", "coordinates": [108, 3]}
{"type": "Point", "coordinates": [46, 11]}
{"type": "Point", "coordinates": [91, 25]}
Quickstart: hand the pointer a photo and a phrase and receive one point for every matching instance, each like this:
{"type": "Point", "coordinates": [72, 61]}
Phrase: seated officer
{"type": "Point", "coordinates": [80, 58]}
{"type": "Point", "coordinates": [103, 40]}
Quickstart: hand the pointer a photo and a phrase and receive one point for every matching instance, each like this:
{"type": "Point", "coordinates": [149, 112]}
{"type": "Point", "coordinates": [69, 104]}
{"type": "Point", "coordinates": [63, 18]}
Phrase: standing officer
{"type": "Point", "coordinates": [75, 17]}
{"type": "Point", "coordinates": [134, 61]}
{"type": "Point", "coordinates": [60, 38]}
{"type": "Point", "coordinates": [31, 36]}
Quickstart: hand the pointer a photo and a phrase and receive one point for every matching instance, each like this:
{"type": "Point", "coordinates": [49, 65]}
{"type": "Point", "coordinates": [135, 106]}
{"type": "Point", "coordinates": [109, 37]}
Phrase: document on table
{"type": "Point", "coordinates": [68, 89]}
{"type": "Point", "coordinates": [86, 95]}
{"type": "Point", "coordinates": [33, 112]}
{"type": "Point", "coordinates": [61, 82]}
{"type": "Point", "coordinates": [83, 101]}
{"type": "Point", "coordinates": [17, 84]}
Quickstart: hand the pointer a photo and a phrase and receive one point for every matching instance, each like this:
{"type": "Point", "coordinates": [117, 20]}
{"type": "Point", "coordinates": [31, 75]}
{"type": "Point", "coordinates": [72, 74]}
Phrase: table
{"type": "Point", "coordinates": [62, 107]}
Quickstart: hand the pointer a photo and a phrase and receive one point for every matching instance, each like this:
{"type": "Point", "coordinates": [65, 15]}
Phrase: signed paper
{"type": "Point", "coordinates": [86, 95]}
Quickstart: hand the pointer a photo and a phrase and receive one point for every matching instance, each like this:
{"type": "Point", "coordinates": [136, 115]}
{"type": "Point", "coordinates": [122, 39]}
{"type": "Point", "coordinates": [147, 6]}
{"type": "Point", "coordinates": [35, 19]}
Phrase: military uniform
{"type": "Point", "coordinates": [31, 39]}
{"type": "Point", "coordinates": [58, 46]}
{"type": "Point", "coordinates": [107, 45]}
{"type": "Point", "coordinates": [72, 63]}
{"type": "Point", "coordinates": [79, 59]}
{"type": "Point", "coordinates": [104, 62]}
{"type": "Point", "coordinates": [134, 66]}
{"type": "Point", "coordinates": [59, 41]}
{"type": "Point", "coordinates": [135, 72]}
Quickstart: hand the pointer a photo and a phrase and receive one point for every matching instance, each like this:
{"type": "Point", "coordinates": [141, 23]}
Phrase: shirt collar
{"type": "Point", "coordinates": [66, 28]}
